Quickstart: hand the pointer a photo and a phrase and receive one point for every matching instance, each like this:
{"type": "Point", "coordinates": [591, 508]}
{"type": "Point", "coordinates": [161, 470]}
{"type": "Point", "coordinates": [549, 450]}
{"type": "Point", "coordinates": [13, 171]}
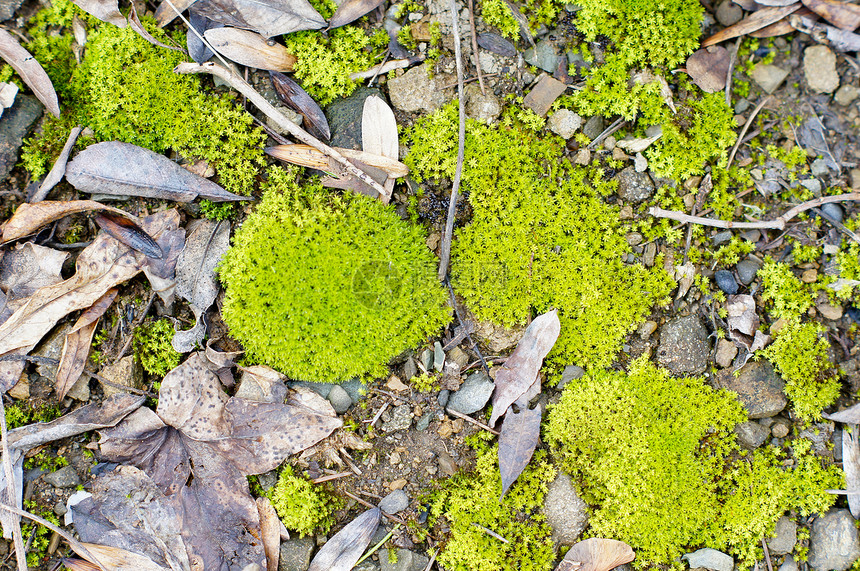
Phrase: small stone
{"type": "Point", "coordinates": [710, 559]}
{"type": "Point", "coordinates": [593, 127]}
{"type": "Point", "coordinates": [759, 388]}
{"type": "Point", "coordinates": [634, 238]}
{"type": "Point", "coordinates": [394, 502]}
{"type": "Point", "coordinates": [684, 346]}
{"type": "Point", "coordinates": [609, 143]}
{"type": "Point", "coordinates": [124, 372]}
{"type": "Point", "coordinates": [457, 355]}
{"type": "Point", "coordinates": [846, 94]}
{"type": "Point", "coordinates": [401, 419]}
{"type": "Point", "coordinates": [415, 90]}
{"type": "Point", "coordinates": [647, 329]}
{"type": "Point", "coordinates": [482, 107]}
{"type": "Point", "coordinates": [812, 184]}
{"type": "Point", "coordinates": [819, 167]}
{"type": "Point", "coordinates": [780, 429]}
{"type": "Point", "coordinates": [721, 238]}
{"type": "Point", "coordinates": [423, 423]}
{"type": "Point", "coordinates": [640, 163]}
{"type": "Point", "coordinates": [784, 537]}
{"type": "Point", "coordinates": [618, 154]}
{"type": "Point", "coordinates": [404, 560]}
{"type": "Point", "coordinates": [570, 373]}
{"type": "Point", "coordinates": [729, 13]}
{"type": "Point", "coordinates": [544, 56]}
{"type": "Point", "coordinates": [564, 123]}
{"type": "Point", "coordinates": [583, 157]}
{"type": "Point", "coordinates": [833, 543]}
{"type": "Point", "coordinates": [443, 397]}
{"type": "Point", "coordinates": [650, 254]}
{"type": "Point", "coordinates": [726, 282]}
{"type": "Point", "coordinates": [819, 68]}
{"type": "Point", "coordinates": [296, 554]}
{"type": "Point", "coordinates": [544, 94]}
{"type": "Point", "coordinates": [769, 77]}
{"type": "Point", "coordinates": [447, 465]}
{"type": "Point", "coordinates": [789, 564]}
{"type": "Point", "coordinates": [747, 269]}
{"type": "Point", "coordinates": [854, 174]}
{"type": "Point", "coordinates": [395, 384]}
{"type": "Point", "coordinates": [394, 459]}
{"type": "Point", "coordinates": [339, 399]}
{"type": "Point", "coordinates": [565, 511]}
{"type": "Point", "coordinates": [473, 395]}
{"type": "Point", "coordinates": [751, 434]}
{"type": "Point", "coordinates": [60, 508]}
{"type": "Point", "coordinates": [438, 356]}
{"type": "Point", "coordinates": [398, 484]}
{"type": "Point", "coordinates": [726, 353]}
{"type": "Point", "coordinates": [833, 210]}
{"type": "Point", "coordinates": [829, 311]}
{"type": "Point", "coordinates": [65, 477]}
{"type": "Point", "coordinates": [633, 186]}
{"type": "Point", "coordinates": [809, 276]}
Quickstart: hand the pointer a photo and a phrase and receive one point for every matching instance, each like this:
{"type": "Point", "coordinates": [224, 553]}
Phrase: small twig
{"type": "Point", "coordinates": [330, 477]}
{"type": "Point", "coordinates": [837, 224]}
{"type": "Point", "coordinates": [432, 560]}
{"type": "Point", "coordinates": [468, 418]}
{"type": "Point", "coordinates": [730, 73]}
{"type": "Point", "coordinates": [138, 320]}
{"type": "Point", "coordinates": [378, 414]}
{"type": "Point", "coordinates": [467, 80]}
{"type": "Point", "coordinates": [766, 555]}
{"type": "Point", "coordinates": [475, 46]}
{"type": "Point", "coordinates": [618, 124]}
{"type": "Point", "coordinates": [379, 68]}
{"type": "Point", "coordinates": [844, 492]}
{"type": "Point", "coordinates": [743, 132]}
{"type": "Point", "coordinates": [376, 547]}
{"type": "Point", "coordinates": [491, 533]}
{"type": "Point", "coordinates": [348, 459]}
{"type": "Point", "coordinates": [271, 132]}
{"type": "Point", "coordinates": [445, 249]}
{"type": "Point", "coordinates": [474, 346]}
{"type": "Point", "coordinates": [371, 506]}
{"type": "Point", "coordinates": [196, 33]}
{"type": "Point", "coordinates": [9, 494]}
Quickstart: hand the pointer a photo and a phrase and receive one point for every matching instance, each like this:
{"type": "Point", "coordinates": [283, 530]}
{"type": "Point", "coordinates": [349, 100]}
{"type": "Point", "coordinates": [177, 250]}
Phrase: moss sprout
{"type": "Point", "coordinates": [302, 506]}
{"type": "Point", "coordinates": [497, 14]}
{"type": "Point", "coordinates": [153, 348]}
{"type": "Point", "coordinates": [782, 291]}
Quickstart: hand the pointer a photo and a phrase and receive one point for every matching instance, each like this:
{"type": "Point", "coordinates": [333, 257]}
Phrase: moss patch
{"type": "Point", "coordinates": [302, 506]}
{"type": "Point", "coordinates": [153, 348]}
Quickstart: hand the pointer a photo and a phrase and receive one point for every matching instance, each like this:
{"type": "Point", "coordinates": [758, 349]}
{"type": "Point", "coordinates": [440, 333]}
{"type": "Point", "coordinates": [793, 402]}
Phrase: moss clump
{"type": "Point", "coordinates": [326, 287]}
{"type": "Point", "coordinates": [497, 14]}
{"type": "Point", "coordinates": [153, 348]}
{"type": "Point", "coordinates": [469, 500]}
{"type": "Point", "coordinates": [784, 294]}
{"type": "Point", "coordinates": [303, 507]}
{"type": "Point", "coordinates": [540, 237]}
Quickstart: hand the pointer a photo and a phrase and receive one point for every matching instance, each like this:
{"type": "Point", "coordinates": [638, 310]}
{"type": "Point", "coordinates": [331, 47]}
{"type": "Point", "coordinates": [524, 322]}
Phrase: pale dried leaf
{"type": "Point", "coordinates": [851, 466]}
{"type": "Point", "coordinates": [597, 554]}
{"type": "Point", "coordinates": [305, 398]}
{"type": "Point", "coordinates": [272, 18]}
{"type": "Point", "coordinates": [270, 532]}
{"type": "Point", "coordinates": [709, 68]}
{"type": "Point", "coordinates": [850, 415]}
{"type": "Point", "coordinates": [28, 267]}
{"type": "Point", "coordinates": [58, 171]}
{"type": "Point", "coordinates": [741, 315]}
{"type": "Point", "coordinates": [778, 3]}
{"type": "Point", "coordinates": [137, 26]}
{"type": "Point", "coordinates": [342, 551]}
{"type": "Point", "coordinates": [162, 273]}
{"type": "Point", "coordinates": [638, 145]}
{"type": "Point", "coordinates": [517, 442]}
{"type": "Point", "coordinates": [118, 559]}
{"type": "Point", "coordinates": [379, 129]}
{"type": "Point", "coordinates": [350, 11]}
{"type": "Point", "coordinates": [30, 217]}
{"type": "Point", "coordinates": [29, 71]}
{"type": "Point", "coordinates": [165, 13]}
{"type": "Point", "coordinates": [753, 22]}
{"type": "Point", "coordinates": [307, 156]}
{"type": "Point", "coordinates": [104, 10]}
{"type": "Point", "coordinates": [8, 92]}
{"type": "Point", "coordinates": [249, 49]}
{"type": "Point", "coordinates": [783, 26]}
{"type": "Point", "coordinates": [843, 15]}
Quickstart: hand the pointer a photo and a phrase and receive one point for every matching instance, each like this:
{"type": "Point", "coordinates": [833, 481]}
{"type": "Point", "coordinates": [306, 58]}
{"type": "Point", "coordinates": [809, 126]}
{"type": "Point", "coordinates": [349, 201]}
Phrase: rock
{"type": "Point", "coordinates": [784, 537]}
{"type": "Point", "coordinates": [322, 389]}
{"type": "Point", "coordinates": [570, 373]}
{"type": "Point", "coordinates": [544, 94]}
{"type": "Point", "coordinates": [684, 346]}
{"type": "Point", "coordinates": [446, 463]}
{"type": "Point", "coordinates": [829, 311]}
{"type": "Point", "coordinates": [339, 399]}
{"type": "Point", "coordinates": [410, 369]}
{"type": "Point", "coordinates": [634, 186]}
{"type": "Point", "coordinates": [565, 511]}
{"type": "Point", "coordinates": [710, 559]}
{"type": "Point", "coordinates": [726, 353]}
{"type": "Point", "coordinates": [729, 13]}
{"type": "Point", "coordinates": [396, 501]}
{"type": "Point", "coordinates": [583, 157]}
{"type": "Point", "coordinates": [593, 127]}
{"type": "Point", "coordinates": [846, 94]}
{"type": "Point", "coordinates": [443, 397]}
{"type": "Point", "coordinates": [769, 77]}
{"type": "Point", "coordinates": [833, 543]}
{"type": "Point", "coordinates": [296, 554]}
{"type": "Point", "coordinates": [423, 422]}
{"type": "Point", "coordinates": [564, 123]}
{"type": "Point", "coordinates": [8, 7]}
{"type": "Point", "coordinates": [758, 386]}
{"type": "Point", "coordinates": [747, 269]}
{"type": "Point", "coordinates": [789, 564]}
{"type": "Point", "coordinates": [355, 389]}
{"type": "Point", "coordinates": [497, 339]}
{"type": "Point", "coordinates": [721, 238]}
{"type": "Point", "coordinates": [344, 117]}
{"type": "Point", "coordinates": [16, 123]}
{"type": "Point", "coordinates": [780, 429]}
{"type": "Point", "coordinates": [51, 348]}
{"type": "Point", "coordinates": [819, 167]}
{"type": "Point", "coordinates": [405, 561]}
{"type": "Point", "coordinates": [415, 90]}
{"type": "Point", "coordinates": [819, 69]}
{"type": "Point", "coordinates": [401, 419]}
{"type": "Point", "coordinates": [65, 477]}
{"type": "Point", "coordinates": [751, 434]}
{"type": "Point", "coordinates": [544, 56]}
{"type": "Point", "coordinates": [833, 210]}
{"type": "Point", "coordinates": [726, 282]}
{"type": "Point", "coordinates": [438, 356]}
{"type": "Point", "coordinates": [473, 395]}
{"type": "Point", "coordinates": [457, 355]}
{"type": "Point", "coordinates": [124, 372]}
{"type": "Point", "coordinates": [646, 329]}
{"type": "Point", "coordinates": [482, 107]}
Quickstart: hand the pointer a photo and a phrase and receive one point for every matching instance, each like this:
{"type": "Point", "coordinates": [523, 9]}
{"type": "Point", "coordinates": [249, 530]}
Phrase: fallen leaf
{"type": "Point", "coordinates": [30, 217]}
{"type": "Point", "coordinates": [851, 466]}
{"type": "Point", "coordinates": [850, 415]}
{"type": "Point", "coordinates": [517, 441]}
{"type": "Point", "coordinates": [379, 129]}
{"type": "Point", "coordinates": [497, 44]}
{"type": "Point", "coordinates": [104, 10]}
{"type": "Point", "coordinates": [753, 22]}
{"type": "Point", "coordinates": [385, 67]}
{"type": "Point", "coordinates": [58, 171]}
{"type": "Point", "coordinates": [520, 370]}
{"type": "Point", "coordinates": [29, 71]}
{"type": "Point", "coordinates": [843, 15]}
{"type": "Point", "coordinates": [270, 532]}
{"type": "Point", "coordinates": [135, 24]}
{"type": "Point", "coordinates": [117, 559]}
{"type": "Point", "coordinates": [270, 385]}
{"type": "Point", "coordinates": [250, 49]}
{"type": "Point", "coordinates": [596, 554]}
{"type": "Point", "coordinates": [839, 40]}
{"type": "Point", "coordinates": [28, 267]}
{"type": "Point", "coordinates": [350, 11]}
{"type": "Point", "coordinates": [293, 96]}
{"type": "Point", "coordinates": [120, 168]}
{"type": "Point", "coordinates": [639, 145]}
{"type": "Point", "coordinates": [129, 234]}
{"type": "Point", "coordinates": [161, 273]}
{"type": "Point", "coordinates": [741, 316]}
{"type": "Point", "coordinates": [197, 49]}
{"type": "Point", "coordinates": [341, 552]}
{"type": "Point", "coordinates": [709, 68]}
{"type": "Point", "coordinates": [307, 156]}
{"type": "Point", "coordinates": [778, 3]}
{"type": "Point", "coordinates": [165, 13]}
{"type": "Point", "coordinates": [272, 18]}
{"type": "Point", "coordinates": [340, 178]}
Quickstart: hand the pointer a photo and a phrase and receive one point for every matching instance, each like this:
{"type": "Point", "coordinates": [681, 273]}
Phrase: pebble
{"type": "Point", "coordinates": [65, 477]}
{"type": "Point", "coordinates": [726, 353]}
{"type": "Point", "coordinates": [634, 186]}
{"type": "Point", "coordinates": [401, 419]}
{"type": "Point", "coordinates": [570, 373]}
{"type": "Point", "coordinates": [789, 564]}
{"type": "Point", "coordinates": [812, 184]}
{"type": "Point", "coordinates": [415, 90]}
{"type": "Point", "coordinates": [780, 429]}
{"type": "Point", "coordinates": [593, 127]}
{"type": "Point", "coordinates": [751, 434]}
{"type": "Point", "coordinates": [809, 276]}
{"type": "Point", "coordinates": [747, 270]}
{"type": "Point", "coordinates": [819, 167]}
{"type": "Point", "coordinates": [833, 210]}
{"type": "Point", "coordinates": [543, 56]}
{"type": "Point", "coordinates": [296, 554]}
{"type": "Point", "coordinates": [583, 157]}
{"type": "Point", "coordinates": [726, 282]}
{"type": "Point", "coordinates": [784, 537]}
{"type": "Point", "coordinates": [769, 77]}
{"type": "Point", "coordinates": [443, 396]}
{"type": "Point", "coordinates": [729, 13]}
{"type": "Point", "coordinates": [710, 559]}
{"type": "Point", "coordinates": [423, 422]}
{"type": "Point", "coordinates": [723, 237]}
{"type": "Point", "coordinates": [458, 356]}
{"type": "Point", "coordinates": [759, 388]}
{"type": "Point", "coordinates": [684, 346]}
{"type": "Point", "coordinates": [447, 465]}
{"type": "Point", "coordinates": [410, 369]}
{"type": "Point", "coordinates": [473, 395]}
{"type": "Point", "coordinates": [647, 329]}
{"type": "Point", "coordinates": [650, 254]}
{"type": "Point", "coordinates": [394, 502]}
{"type": "Point", "coordinates": [17, 121]}
{"type": "Point", "coordinates": [833, 543]}
{"type": "Point", "coordinates": [339, 399]}
{"type": "Point", "coordinates": [564, 123]}
{"type": "Point", "coordinates": [846, 94]}
{"type": "Point", "coordinates": [829, 311]}
{"type": "Point", "coordinates": [405, 561]}
{"type": "Point", "coordinates": [565, 511]}
{"type": "Point", "coordinates": [480, 106]}
{"type": "Point", "coordinates": [819, 69]}
{"type": "Point", "coordinates": [438, 356]}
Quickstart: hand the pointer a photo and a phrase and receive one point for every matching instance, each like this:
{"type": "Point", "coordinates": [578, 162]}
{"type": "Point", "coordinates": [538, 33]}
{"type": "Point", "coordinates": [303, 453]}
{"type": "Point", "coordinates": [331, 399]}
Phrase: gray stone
{"type": "Point", "coordinates": [415, 90]}
{"type": "Point", "coordinates": [726, 282]}
{"type": "Point", "coordinates": [729, 13]}
{"type": "Point", "coordinates": [438, 356]}
{"type": "Point", "coordinates": [710, 559]}
{"type": "Point", "coordinates": [570, 373]}
{"type": "Point", "coordinates": [339, 399]}
{"type": "Point", "coordinates": [322, 389]}
{"type": "Point", "coordinates": [483, 107]}
{"type": "Point", "coordinates": [344, 118]}
{"type": "Point", "coordinates": [401, 419]}
{"type": "Point", "coordinates": [722, 238]}
{"type": "Point", "coordinates": [544, 56]}
{"type": "Point", "coordinates": [8, 7]}
{"type": "Point", "coordinates": [819, 69]}
{"type": "Point", "coordinates": [833, 210]}
{"type": "Point", "coordinates": [355, 389]}
{"type": "Point", "coordinates": [751, 434]}
{"type": "Point", "coordinates": [758, 386]}
{"type": "Point", "coordinates": [747, 269]}
{"type": "Point", "coordinates": [789, 564]}
{"type": "Point", "coordinates": [593, 127]}
{"type": "Point", "coordinates": [423, 422]}
{"type": "Point", "coordinates": [684, 346]}
{"type": "Point", "coordinates": [473, 395]}
{"type": "Point", "coordinates": [784, 537]}
{"type": "Point", "coordinates": [819, 167]}
{"type": "Point", "coordinates": [16, 123]}
{"type": "Point", "coordinates": [395, 502]}
{"type": "Point", "coordinates": [565, 511]}
{"type": "Point", "coordinates": [65, 477]}
{"type": "Point", "coordinates": [366, 565]}
{"type": "Point", "coordinates": [253, 388]}
{"type": "Point", "coordinates": [769, 77]}
{"type": "Point", "coordinates": [296, 554]}
{"type": "Point", "coordinates": [833, 543]}
{"type": "Point", "coordinates": [634, 186]}
{"type": "Point", "coordinates": [564, 123]}
{"type": "Point", "coordinates": [125, 372]}
{"type": "Point", "coordinates": [846, 94]}
{"type": "Point", "coordinates": [443, 396]}
{"type": "Point", "coordinates": [52, 348]}
{"type": "Point", "coordinates": [813, 185]}
{"type": "Point", "coordinates": [427, 359]}
{"type": "Point", "coordinates": [410, 369]}
{"type": "Point", "coordinates": [726, 353]}
{"type": "Point", "coordinates": [406, 561]}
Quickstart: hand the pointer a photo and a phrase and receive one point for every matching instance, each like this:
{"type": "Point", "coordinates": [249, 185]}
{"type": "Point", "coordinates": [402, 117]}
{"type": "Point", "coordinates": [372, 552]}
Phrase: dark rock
{"type": "Point", "coordinates": [634, 186]}
{"type": "Point", "coordinates": [684, 346]}
{"type": "Point", "coordinates": [396, 501]}
{"type": "Point", "coordinates": [443, 396]}
{"type": "Point", "coordinates": [16, 123]}
{"type": "Point", "coordinates": [570, 373]}
{"type": "Point", "coordinates": [747, 269]}
{"type": "Point", "coordinates": [726, 282]}
{"type": "Point", "coordinates": [296, 554]}
{"type": "Point", "coordinates": [593, 127]}
{"type": "Point", "coordinates": [405, 561]}
{"type": "Point", "coordinates": [344, 118]}
{"type": "Point", "coordinates": [759, 388]}
{"type": "Point", "coordinates": [833, 543]}
{"type": "Point", "coordinates": [473, 395]}
{"type": "Point", "coordinates": [65, 477]}
{"type": "Point", "coordinates": [496, 44]}
{"type": "Point", "coordinates": [565, 511]}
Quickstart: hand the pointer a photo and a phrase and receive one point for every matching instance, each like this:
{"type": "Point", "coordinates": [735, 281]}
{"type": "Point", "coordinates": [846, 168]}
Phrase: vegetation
{"type": "Point", "coordinates": [153, 348]}
{"type": "Point", "coordinates": [302, 506]}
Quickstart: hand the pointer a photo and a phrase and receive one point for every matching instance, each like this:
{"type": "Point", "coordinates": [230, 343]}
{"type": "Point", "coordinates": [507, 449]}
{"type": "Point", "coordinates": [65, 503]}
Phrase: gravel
{"type": "Point", "coordinates": [819, 69]}
{"type": "Point", "coordinates": [394, 502]}
{"type": "Point", "coordinates": [65, 477]}
{"type": "Point", "coordinates": [726, 282]}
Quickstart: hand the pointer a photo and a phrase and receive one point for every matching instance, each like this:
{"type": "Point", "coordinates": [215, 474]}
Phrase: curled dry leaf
{"type": "Point", "coordinates": [841, 14]}
{"type": "Point", "coordinates": [307, 156]}
{"type": "Point", "coordinates": [58, 171]}
{"type": "Point", "coordinates": [30, 71]}
{"type": "Point", "coordinates": [839, 40]}
{"type": "Point", "coordinates": [639, 145]}
{"type": "Point", "coordinates": [197, 48]}
{"type": "Point", "coordinates": [341, 552]}
{"type": "Point", "coordinates": [350, 11]}
{"type": "Point", "coordinates": [250, 49]}
{"type": "Point", "coordinates": [104, 10]}
{"type": "Point", "coordinates": [851, 466]}
{"type": "Point", "coordinates": [135, 24]}
{"type": "Point", "coordinates": [271, 18]}
{"type": "Point", "coordinates": [596, 554]}
{"type": "Point", "coordinates": [743, 323]}
{"type": "Point", "coordinates": [753, 22]}
{"type": "Point", "coordinates": [709, 68]}
{"type": "Point", "coordinates": [161, 273]}
{"type": "Point", "coordinates": [129, 234]}
{"type": "Point", "coordinates": [30, 217]}
{"type": "Point", "coordinates": [270, 532]}
{"type": "Point", "coordinates": [293, 96]}
{"type": "Point", "coordinates": [26, 268]}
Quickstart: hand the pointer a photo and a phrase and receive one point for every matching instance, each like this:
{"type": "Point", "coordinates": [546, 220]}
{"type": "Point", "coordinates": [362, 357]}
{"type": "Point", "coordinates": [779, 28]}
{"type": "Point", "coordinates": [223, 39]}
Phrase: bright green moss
{"type": "Point", "coordinates": [470, 501]}
{"type": "Point", "coordinates": [646, 449]}
{"type": "Point", "coordinates": [302, 506]}
{"type": "Point", "coordinates": [153, 348]}
{"type": "Point", "coordinates": [799, 353]}
{"type": "Point", "coordinates": [539, 238]}
{"type": "Point", "coordinates": [497, 14]}
{"type": "Point", "coordinates": [326, 287]}
{"type": "Point", "coordinates": [782, 291]}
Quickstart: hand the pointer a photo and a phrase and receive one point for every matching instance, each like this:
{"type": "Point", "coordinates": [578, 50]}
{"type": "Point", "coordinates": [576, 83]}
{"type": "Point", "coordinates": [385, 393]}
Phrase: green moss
{"type": "Point", "coordinates": [302, 506]}
{"type": "Point", "coordinates": [782, 291]}
{"type": "Point", "coordinates": [539, 238]}
{"type": "Point", "coordinates": [217, 210]}
{"type": "Point", "coordinates": [340, 282]}
{"type": "Point", "coordinates": [497, 14]}
{"type": "Point", "coordinates": [24, 412]}
{"type": "Point", "coordinates": [469, 502]}
{"type": "Point", "coordinates": [153, 348]}
{"type": "Point", "coordinates": [37, 552]}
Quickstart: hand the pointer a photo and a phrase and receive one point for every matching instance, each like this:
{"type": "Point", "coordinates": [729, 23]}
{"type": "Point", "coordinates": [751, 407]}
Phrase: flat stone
{"type": "Point", "coordinates": [415, 90]}
{"type": "Point", "coordinates": [401, 419]}
{"type": "Point", "coordinates": [16, 123]}
{"type": "Point", "coordinates": [124, 372]}
{"type": "Point", "coordinates": [395, 502]}
{"type": "Point", "coordinates": [784, 537]}
{"type": "Point", "coordinates": [483, 107]}
{"type": "Point", "coordinates": [296, 554]}
{"type": "Point", "coordinates": [846, 94]}
{"type": "Point", "coordinates": [593, 127]}
{"type": "Point", "coordinates": [544, 56]}
{"type": "Point", "coordinates": [789, 564]}
{"type": "Point", "coordinates": [565, 511]}
{"type": "Point", "coordinates": [564, 123]}
{"type": "Point", "coordinates": [65, 477]}
{"type": "Point", "coordinates": [457, 355]}
{"type": "Point", "coordinates": [684, 346]}
{"type": "Point", "coordinates": [344, 117]}
{"type": "Point", "coordinates": [339, 399]}
{"type": "Point", "coordinates": [758, 386]}
{"type": "Point", "coordinates": [729, 13]}
{"type": "Point", "coordinates": [747, 270]}
{"type": "Point", "coordinates": [570, 373]}
{"type": "Point", "coordinates": [833, 543]}
{"type": "Point", "coordinates": [726, 353]}
{"type": "Point", "coordinates": [710, 559]}
{"type": "Point", "coordinates": [405, 561]}
{"type": "Point", "coordinates": [751, 434]}
{"type": "Point", "coordinates": [769, 77]}
{"type": "Point", "coordinates": [819, 69]}
{"type": "Point", "coordinates": [544, 94]}
{"type": "Point", "coordinates": [829, 311]}
{"type": "Point", "coordinates": [473, 395]}
{"type": "Point", "coordinates": [634, 186]}
{"type": "Point", "coordinates": [261, 389]}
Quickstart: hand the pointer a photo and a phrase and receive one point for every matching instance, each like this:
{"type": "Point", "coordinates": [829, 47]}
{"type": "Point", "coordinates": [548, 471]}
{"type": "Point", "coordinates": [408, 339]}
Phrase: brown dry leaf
{"type": "Point", "coordinates": [843, 15]}
{"type": "Point", "coordinates": [104, 10]}
{"type": "Point", "coordinates": [27, 268]}
{"type": "Point", "coordinates": [596, 554]}
{"type": "Point", "coordinates": [647, 76]}
{"type": "Point", "coordinates": [271, 18]}
{"type": "Point", "coordinates": [782, 27]}
{"type": "Point", "coordinates": [778, 3]}
{"type": "Point", "coordinates": [709, 68]}
{"type": "Point", "coordinates": [117, 559]}
{"type": "Point", "coordinates": [250, 49]}
{"type": "Point", "coordinates": [851, 466]}
{"type": "Point", "coordinates": [270, 532]}
{"type": "Point", "coordinates": [162, 273]}
{"type": "Point", "coordinates": [839, 40]}
{"type": "Point", "coordinates": [340, 178]}
{"type": "Point", "coordinates": [29, 71]}
{"type": "Point", "coordinates": [517, 441]}
{"type": "Point", "coordinates": [341, 552]}
{"type": "Point", "coordinates": [755, 21]}
{"type": "Point", "coordinates": [129, 234]}
{"type": "Point", "coordinates": [743, 323]}
{"type": "Point", "coordinates": [76, 347]}
{"type": "Point", "coordinates": [134, 22]}
{"type": "Point", "coordinates": [520, 370]}
{"type": "Point", "coordinates": [165, 14]}
{"type": "Point", "coordinates": [293, 96]}
{"type": "Point", "coordinates": [269, 385]}
{"type": "Point", "coordinates": [307, 156]}
{"type": "Point", "coordinates": [58, 171]}
{"type": "Point", "coordinates": [30, 217]}
{"type": "Point", "coordinates": [120, 168]}
{"type": "Point", "coordinates": [350, 11]}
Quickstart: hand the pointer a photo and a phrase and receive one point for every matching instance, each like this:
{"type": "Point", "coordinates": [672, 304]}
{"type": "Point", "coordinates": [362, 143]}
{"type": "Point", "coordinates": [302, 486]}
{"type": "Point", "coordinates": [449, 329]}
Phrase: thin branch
{"type": "Point", "coordinates": [463, 324]}
{"type": "Point", "coordinates": [330, 477]}
{"type": "Point", "coordinates": [766, 555]}
{"type": "Point", "coordinates": [367, 504]}
{"type": "Point", "coordinates": [9, 494]}
{"type": "Point", "coordinates": [491, 533]}
{"type": "Point", "coordinates": [743, 132]}
{"type": "Point", "coordinates": [468, 418]}
{"type": "Point", "coordinates": [615, 126]}
{"type": "Point", "coordinates": [475, 46]}
{"type": "Point", "coordinates": [730, 73]}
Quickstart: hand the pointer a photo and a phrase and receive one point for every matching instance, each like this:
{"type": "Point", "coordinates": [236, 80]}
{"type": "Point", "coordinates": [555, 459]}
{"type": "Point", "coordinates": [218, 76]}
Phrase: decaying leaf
{"type": "Point", "coordinates": [165, 13]}
{"type": "Point", "coordinates": [161, 273]}
{"type": "Point", "coordinates": [30, 217]}
{"type": "Point", "coordinates": [270, 532]}
{"type": "Point", "coordinates": [639, 145]}
{"type": "Point", "coordinates": [709, 68]}
{"type": "Point", "coordinates": [341, 552]}
{"type": "Point", "coordinates": [517, 441]}
{"type": "Point", "coordinates": [781, 27]}
{"type": "Point", "coordinates": [120, 168]}
{"type": "Point", "coordinates": [135, 24]}
{"type": "Point", "coordinates": [841, 14]}
{"type": "Point", "coordinates": [839, 40]}
{"type": "Point", "coordinates": [129, 234]}
{"type": "Point", "coordinates": [850, 415]}
{"type": "Point", "coordinates": [340, 178]}
{"type": "Point", "coordinates": [29, 71]}
{"type": "Point", "coordinates": [272, 18]}
{"type": "Point", "coordinates": [118, 559]}
{"type": "Point", "coordinates": [497, 44]}
{"type": "Point", "coordinates": [197, 49]}
{"type": "Point", "coordinates": [350, 11]}
{"type": "Point", "coordinates": [779, 3]}
{"type": "Point", "coordinates": [293, 96]}
{"type": "Point", "coordinates": [28, 267]}
{"type": "Point", "coordinates": [250, 49]}
{"type": "Point", "coordinates": [58, 171]}
{"type": "Point", "coordinates": [269, 385]}
{"type": "Point", "coordinates": [647, 76]}
{"type": "Point", "coordinates": [743, 322]}
{"type": "Point", "coordinates": [104, 10]}
{"type": "Point", "coordinates": [379, 129]}
{"type": "Point", "coordinates": [307, 156]}
{"type": "Point", "coordinates": [851, 465]}
{"type": "Point", "coordinates": [521, 368]}
{"type": "Point", "coordinates": [544, 94]}
{"type": "Point", "coordinates": [753, 22]}
{"type": "Point", "coordinates": [596, 554]}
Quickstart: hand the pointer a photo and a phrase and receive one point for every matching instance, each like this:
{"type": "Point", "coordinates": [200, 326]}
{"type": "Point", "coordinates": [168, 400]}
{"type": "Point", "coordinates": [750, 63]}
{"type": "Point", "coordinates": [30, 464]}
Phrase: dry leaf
{"type": "Point", "coordinates": [778, 3]}
{"type": "Point", "coordinates": [197, 49]}
{"type": "Point", "coordinates": [129, 234]}
{"type": "Point", "coordinates": [271, 18]}
{"type": "Point", "coordinates": [307, 156]}
{"type": "Point", "coordinates": [120, 168]}
{"type": "Point", "coordinates": [843, 15]}
{"type": "Point", "coordinates": [783, 26]}
{"type": "Point", "coordinates": [709, 68]}
{"type": "Point", "coordinates": [596, 554]}
{"type": "Point", "coordinates": [29, 71]}
{"type": "Point", "coordinates": [350, 11]}
{"type": "Point", "coordinates": [161, 273]}
{"type": "Point", "coordinates": [270, 386]}
{"type": "Point", "coordinates": [497, 44]}
{"type": "Point", "coordinates": [850, 415]}
{"type": "Point", "coordinates": [117, 559]}
{"type": "Point", "coordinates": [647, 76]}
{"type": "Point", "coordinates": [27, 268]}
{"type": "Point", "coordinates": [839, 40]}
{"type": "Point", "coordinates": [250, 49]}
{"type": "Point", "coordinates": [165, 13]}
{"type": "Point", "coordinates": [851, 466]}
{"type": "Point", "coordinates": [104, 10]}
{"type": "Point", "coordinates": [134, 23]}
{"type": "Point", "coordinates": [639, 145]}
{"type": "Point", "coordinates": [379, 129]}
{"type": "Point", "coordinates": [293, 96]}
{"type": "Point", "coordinates": [270, 532]}
{"type": "Point", "coordinates": [517, 441]}
{"type": "Point", "coordinates": [753, 22]}
{"type": "Point", "coordinates": [341, 552]}
{"type": "Point", "coordinates": [30, 217]}
{"type": "Point", "coordinates": [58, 171]}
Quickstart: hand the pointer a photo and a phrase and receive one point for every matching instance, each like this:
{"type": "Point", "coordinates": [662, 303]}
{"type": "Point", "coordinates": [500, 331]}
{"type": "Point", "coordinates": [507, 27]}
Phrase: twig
{"type": "Point", "coordinates": [9, 494]}
{"type": "Point", "coordinates": [491, 533]}
{"type": "Point", "coordinates": [378, 414]}
{"type": "Point", "coordinates": [467, 80]}
{"type": "Point", "coordinates": [376, 547]}
{"type": "Point", "coordinates": [445, 250]}
{"type": "Point", "coordinates": [432, 560]}
{"type": "Point", "coordinates": [378, 68]}
{"type": "Point", "coordinates": [138, 320]}
{"type": "Point", "coordinates": [766, 555]}
{"type": "Point", "coordinates": [843, 492]}
{"type": "Point", "coordinates": [474, 346]}
{"type": "Point", "coordinates": [330, 477]}
{"type": "Point", "coordinates": [371, 506]}
{"type": "Point", "coordinates": [776, 224]}
{"type": "Point", "coordinates": [198, 34]}
{"type": "Point", "coordinates": [743, 132]}
{"type": "Point", "coordinates": [279, 118]}
{"type": "Point", "coordinates": [837, 224]}
{"type": "Point", "coordinates": [730, 73]}
{"type": "Point", "coordinates": [615, 126]}
{"type": "Point", "coordinates": [468, 418]}
{"type": "Point", "coordinates": [475, 46]}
